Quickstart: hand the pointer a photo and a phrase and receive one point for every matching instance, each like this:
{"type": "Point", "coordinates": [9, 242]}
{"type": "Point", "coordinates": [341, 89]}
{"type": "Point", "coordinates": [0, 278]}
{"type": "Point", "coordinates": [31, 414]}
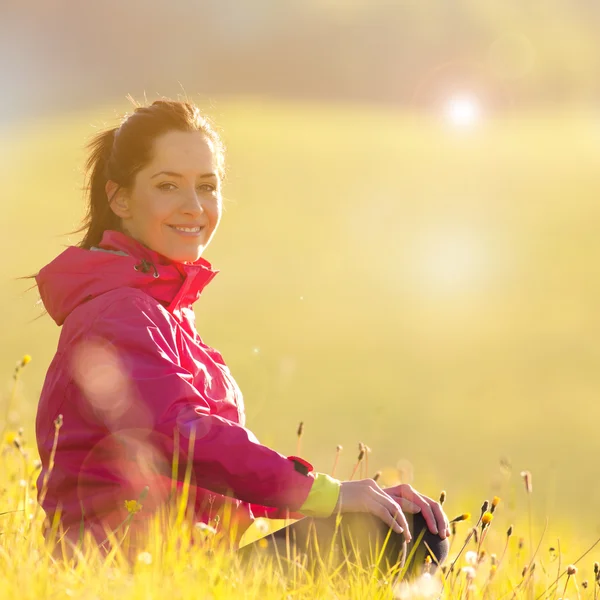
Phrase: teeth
{"type": "Point", "coordinates": [189, 229]}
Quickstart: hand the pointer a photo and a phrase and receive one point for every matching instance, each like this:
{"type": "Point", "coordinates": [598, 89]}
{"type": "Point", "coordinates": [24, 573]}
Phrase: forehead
{"type": "Point", "coordinates": [183, 150]}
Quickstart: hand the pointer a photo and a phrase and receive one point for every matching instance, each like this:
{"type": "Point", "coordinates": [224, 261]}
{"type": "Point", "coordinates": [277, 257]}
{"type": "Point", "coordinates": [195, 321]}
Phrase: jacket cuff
{"type": "Point", "coordinates": [322, 498]}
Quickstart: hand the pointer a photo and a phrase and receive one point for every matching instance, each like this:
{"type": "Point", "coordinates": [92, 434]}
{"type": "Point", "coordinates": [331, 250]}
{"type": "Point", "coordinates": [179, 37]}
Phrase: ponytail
{"type": "Point", "coordinates": [99, 216]}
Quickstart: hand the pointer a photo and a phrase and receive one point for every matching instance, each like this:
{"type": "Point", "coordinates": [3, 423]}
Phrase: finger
{"type": "Point", "coordinates": [394, 509]}
{"type": "Point", "coordinates": [380, 511]}
{"type": "Point", "coordinates": [408, 507]}
{"type": "Point", "coordinates": [427, 513]}
{"type": "Point", "coordinates": [440, 517]}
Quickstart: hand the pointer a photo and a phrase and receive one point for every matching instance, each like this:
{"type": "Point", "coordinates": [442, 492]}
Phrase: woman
{"type": "Point", "coordinates": [142, 400]}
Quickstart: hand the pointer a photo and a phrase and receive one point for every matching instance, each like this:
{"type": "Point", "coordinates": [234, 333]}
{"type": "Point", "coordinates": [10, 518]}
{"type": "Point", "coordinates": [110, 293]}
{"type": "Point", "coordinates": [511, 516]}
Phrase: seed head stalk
{"type": "Point", "coordinates": [336, 460]}
{"type": "Point", "coordinates": [13, 394]}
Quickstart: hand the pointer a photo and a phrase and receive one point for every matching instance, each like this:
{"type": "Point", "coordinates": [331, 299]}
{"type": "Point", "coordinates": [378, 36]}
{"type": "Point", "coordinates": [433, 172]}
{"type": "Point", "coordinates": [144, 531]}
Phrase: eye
{"type": "Point", "coordinates": [207, 187]}
{"type": "Point", "coordinates": [165, 186]}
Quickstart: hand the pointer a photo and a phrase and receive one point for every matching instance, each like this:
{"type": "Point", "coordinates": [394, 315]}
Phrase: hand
{"type": "Point", "coordinates": [412, 502]}
{"type": "Point", "coordinates": [365, 495]}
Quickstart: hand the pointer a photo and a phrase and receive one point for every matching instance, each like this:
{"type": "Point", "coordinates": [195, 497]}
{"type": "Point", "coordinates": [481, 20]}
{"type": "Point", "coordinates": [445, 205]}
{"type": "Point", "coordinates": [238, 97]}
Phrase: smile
{"type": "Point", "coordinates": [187, 231]}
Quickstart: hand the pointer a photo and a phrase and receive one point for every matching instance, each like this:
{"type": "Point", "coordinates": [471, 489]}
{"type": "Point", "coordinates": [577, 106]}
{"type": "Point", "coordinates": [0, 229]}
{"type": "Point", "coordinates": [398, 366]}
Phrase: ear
{"type": "Point", "coordinates": [117, 199]}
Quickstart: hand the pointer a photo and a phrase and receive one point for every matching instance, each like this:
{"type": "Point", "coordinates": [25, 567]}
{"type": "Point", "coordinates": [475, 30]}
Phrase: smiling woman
{"type": "Point", "coordinates": [175, 213]}
{"type": "Point", "coordinates": [134, 402]}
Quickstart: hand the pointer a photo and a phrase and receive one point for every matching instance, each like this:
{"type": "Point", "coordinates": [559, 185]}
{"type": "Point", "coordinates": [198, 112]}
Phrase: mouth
{"type": "Point", "coordinates": [185, 231]}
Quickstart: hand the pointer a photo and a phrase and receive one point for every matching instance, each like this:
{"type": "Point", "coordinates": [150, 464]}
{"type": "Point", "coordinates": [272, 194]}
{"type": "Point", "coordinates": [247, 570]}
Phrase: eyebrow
{"type": "Point", "coordinates": [173, 174]}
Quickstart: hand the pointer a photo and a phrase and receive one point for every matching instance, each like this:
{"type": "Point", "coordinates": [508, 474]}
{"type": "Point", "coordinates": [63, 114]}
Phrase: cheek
{"type": "Point", "coordinates": [216, 212]}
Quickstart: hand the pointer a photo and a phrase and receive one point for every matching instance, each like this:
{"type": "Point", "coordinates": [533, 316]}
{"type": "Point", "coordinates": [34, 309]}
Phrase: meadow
{"type": "Point", "coordinates": [386, 278]}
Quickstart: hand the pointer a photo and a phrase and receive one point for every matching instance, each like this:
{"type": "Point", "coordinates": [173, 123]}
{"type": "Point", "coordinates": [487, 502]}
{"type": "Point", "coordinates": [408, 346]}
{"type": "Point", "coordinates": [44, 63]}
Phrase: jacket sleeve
{"type": "Point", "coordinates": [320, 502]}
{"type": "Point", "coordinates": [225, 457]}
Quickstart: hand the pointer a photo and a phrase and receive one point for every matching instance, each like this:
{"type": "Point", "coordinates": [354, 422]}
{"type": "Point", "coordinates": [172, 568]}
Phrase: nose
{"type": "Point", "coordinates": [193, 204]}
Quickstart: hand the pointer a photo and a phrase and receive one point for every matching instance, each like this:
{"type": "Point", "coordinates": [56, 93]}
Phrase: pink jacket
{"type": "Point", "coordinates": [136, 386]}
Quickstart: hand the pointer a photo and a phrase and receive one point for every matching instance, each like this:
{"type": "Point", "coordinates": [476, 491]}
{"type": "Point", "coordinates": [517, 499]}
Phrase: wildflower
{"type": "Point", "coordinates": [526, 475]}
{"type": "Point", "coordinates": [493, 559]}
{"type": "Point", "coordinates": [339, 448]}
{"type": "Point", "coordinates": [25, 360]}
{"type": "Point", "coordinates": [263, 543]}
{"type": "Point", "coordinates": [10, 438]}
{"type": "Point", "coordinates": [58, 422]}
{"type": "Point", "coordinates": [144, 558]}
{"type": "Point", "coordinates": [584, 584]}
{"type": "Point", "coordinates": [484, 506]}
{"type": "Point", "coordinates": [469, 573]}
{"type": "Point", "coordinates": [486, 519]}
{"type": "Point", "coordinates": [571, 570]}
{"type": "Point", "coordinates": [300, 429]}
{"type": "Point", "coordinates": [443, 497]}
{"type": "Point", "coordinates": [471, 557]}
{"type": "Point", "coordinates": [482, 556]}
{"type": "Point", "coordinates": [509, 531]}
{"type": "Point", "coordinates": [495, 502]}
{"type": "Point", "coordinates": [377, 476]}
{"type": "Point", "coordinates": [132, 506]}
{"type": "Point", "coordinates": [597, 570]}
{"type": "Point", "coordinates": [463, 517]}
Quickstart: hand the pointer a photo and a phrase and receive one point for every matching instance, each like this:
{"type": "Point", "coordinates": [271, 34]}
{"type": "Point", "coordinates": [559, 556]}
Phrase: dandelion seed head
{"type": "Point", "coordinates": [205, 528]}
{"type": "Point", "coordinates": [471, 557]}
{"type": "Point", "coordinates": [526, 475]}
{"type": "Point", "coordinates": [144, 558]}
{"type": "Point", "coordinates": [469, 573]}
{"type": "Point", "coordinates": [262, 525]}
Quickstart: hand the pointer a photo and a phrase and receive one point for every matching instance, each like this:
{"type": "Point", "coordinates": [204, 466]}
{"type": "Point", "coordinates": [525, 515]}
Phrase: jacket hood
{"type": "Point", "coordinates": [78, 275]}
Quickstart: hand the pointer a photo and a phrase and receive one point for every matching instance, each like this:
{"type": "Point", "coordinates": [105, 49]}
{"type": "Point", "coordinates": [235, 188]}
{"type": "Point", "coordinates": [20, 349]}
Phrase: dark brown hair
{"type": "Point", "coordinates": [118, 154]}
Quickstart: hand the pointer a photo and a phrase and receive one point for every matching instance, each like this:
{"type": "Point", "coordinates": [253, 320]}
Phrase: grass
{"type": "Point", "coordinates": [385, 279]}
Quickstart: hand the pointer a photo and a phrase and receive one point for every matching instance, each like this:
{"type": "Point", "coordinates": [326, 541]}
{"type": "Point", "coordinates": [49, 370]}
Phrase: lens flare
{"type": "Point", "coordinates": [463, 110]}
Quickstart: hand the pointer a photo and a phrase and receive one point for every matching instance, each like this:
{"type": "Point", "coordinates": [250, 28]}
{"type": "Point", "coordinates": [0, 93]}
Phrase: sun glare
{"type": "Point", "coordinates": [463, 110]}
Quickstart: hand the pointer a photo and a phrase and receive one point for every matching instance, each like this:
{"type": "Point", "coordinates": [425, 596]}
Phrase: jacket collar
{"type": "Point", "coordinates": [78, 275]}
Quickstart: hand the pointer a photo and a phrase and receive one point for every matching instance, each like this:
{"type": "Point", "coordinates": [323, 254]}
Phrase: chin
{"type": "Point", "coordinates": [185, 257]}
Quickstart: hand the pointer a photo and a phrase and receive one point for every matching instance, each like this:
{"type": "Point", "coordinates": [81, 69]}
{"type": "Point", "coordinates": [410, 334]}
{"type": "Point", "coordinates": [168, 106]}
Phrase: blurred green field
{"type": "Point", "coordinates": [385, 278]}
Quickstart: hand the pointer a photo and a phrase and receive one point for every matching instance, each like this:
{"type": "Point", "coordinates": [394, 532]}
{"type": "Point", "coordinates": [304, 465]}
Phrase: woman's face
{"type": "Point", "coordinates": [174, 206]}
